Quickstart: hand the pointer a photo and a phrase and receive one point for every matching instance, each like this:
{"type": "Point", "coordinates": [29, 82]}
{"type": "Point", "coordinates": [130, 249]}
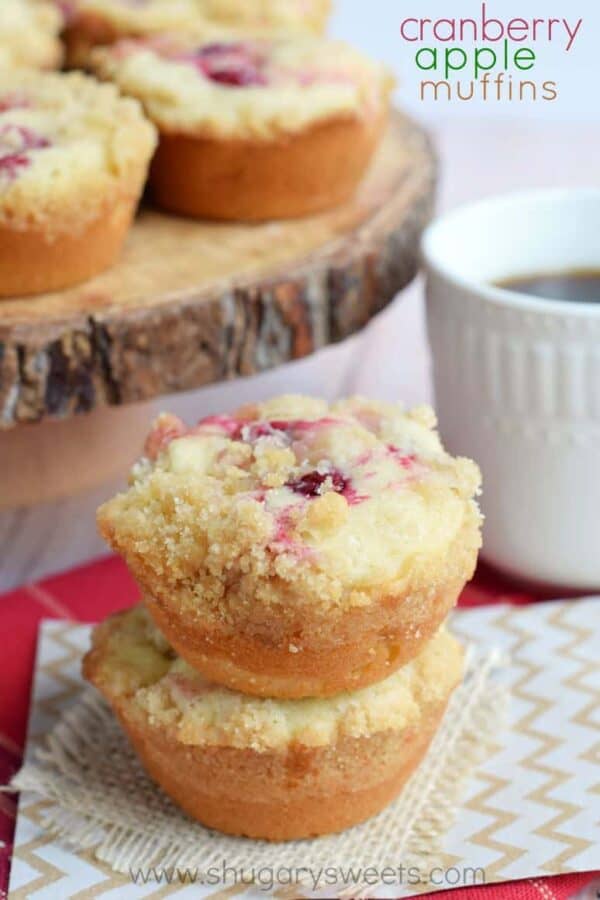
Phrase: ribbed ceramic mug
{"type": "Point", "coordinates": [517, 379]}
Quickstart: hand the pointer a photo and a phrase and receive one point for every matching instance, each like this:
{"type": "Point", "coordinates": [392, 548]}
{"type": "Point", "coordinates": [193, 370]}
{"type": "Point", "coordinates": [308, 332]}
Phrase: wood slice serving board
{"type": "Point", "coordinates": [192, 302]}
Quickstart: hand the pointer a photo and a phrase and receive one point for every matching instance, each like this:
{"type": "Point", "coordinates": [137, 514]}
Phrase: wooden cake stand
{"type": "Point", "coordinates": [191, 304]}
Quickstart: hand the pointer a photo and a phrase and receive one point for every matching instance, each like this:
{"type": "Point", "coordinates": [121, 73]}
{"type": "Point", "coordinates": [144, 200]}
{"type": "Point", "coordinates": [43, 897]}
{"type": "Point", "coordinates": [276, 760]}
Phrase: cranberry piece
{"type": "Point", "coordinates": [12, 164]}
{"type": "Point", "coordinates": [232, 65]}
{"type": "Point", "coordinates": [310, 485]}
{"type": "Point", "coordinates": [15, 142]}
{"type": "Point", "coordinates": [242, 77]}
{"type": "Point", "coordinates": [406, 460]}
{"type": "Point", "coordinates": [291, 428]}
{"type": "Point", "coordinates": [255, 431]}
{"type": "Point", "coordinates": [13, 101]}
{"type": "Point", "coordinates": [17, 139]}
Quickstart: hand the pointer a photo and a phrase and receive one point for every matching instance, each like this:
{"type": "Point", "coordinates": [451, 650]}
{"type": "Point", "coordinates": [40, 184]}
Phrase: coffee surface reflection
{"type": "Point", "coordinates": [577, 286]}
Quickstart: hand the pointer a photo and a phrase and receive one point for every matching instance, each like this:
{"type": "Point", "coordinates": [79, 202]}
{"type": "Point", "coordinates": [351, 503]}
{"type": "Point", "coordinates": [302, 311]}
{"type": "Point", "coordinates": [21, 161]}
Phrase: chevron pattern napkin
{"type": "Point", "coordinates": [527, 810]}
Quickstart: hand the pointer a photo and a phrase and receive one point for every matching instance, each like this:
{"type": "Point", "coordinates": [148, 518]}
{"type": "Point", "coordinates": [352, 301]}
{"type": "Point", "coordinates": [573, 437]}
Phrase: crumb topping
{"type": "Point", "coordinates": [147, 17]}
{"type": "Point", "coordinates": [64, 137]}
{"type": "Point", "coordinates": [29, 34]}
{"type": "Point", "coordinates": [301, 15]}
{"type": "Point", "coordinates": [138, 665]}
{"type": "Point", "coordinates": [17, 147]}
{"type": "Point", "coordinates": [244, 88]}
{"type": "Point", "coordinates": [337, 502]}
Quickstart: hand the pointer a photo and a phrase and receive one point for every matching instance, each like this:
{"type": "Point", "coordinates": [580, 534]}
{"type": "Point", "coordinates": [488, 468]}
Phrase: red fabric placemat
{"type": "Point", "coordinates": [90, 593]}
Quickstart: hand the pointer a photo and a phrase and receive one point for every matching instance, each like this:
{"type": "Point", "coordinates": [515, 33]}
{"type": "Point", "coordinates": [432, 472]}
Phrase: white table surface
{"type": "Point", "coordinates": [389, 360]}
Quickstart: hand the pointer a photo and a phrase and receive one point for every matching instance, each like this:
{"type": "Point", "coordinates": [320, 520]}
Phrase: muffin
{"type": "Point", "coordinates": [256, 129]}
{"type": "Point", "coordinates": [98, 22]}
{"type": "Point", "coordinates": [29, 34]}
{"type": "Point", "coordinates": [73, 160]}
{"type": "Point", "coordinates": [294, 549]}
{"type": "Point", "coordinates": [272, 769]}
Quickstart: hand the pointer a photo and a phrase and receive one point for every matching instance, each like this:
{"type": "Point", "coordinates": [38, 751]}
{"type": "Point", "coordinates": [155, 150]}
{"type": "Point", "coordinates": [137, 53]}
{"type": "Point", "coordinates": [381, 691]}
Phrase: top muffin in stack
{"type": "Point", "coordinates": [298, 549]}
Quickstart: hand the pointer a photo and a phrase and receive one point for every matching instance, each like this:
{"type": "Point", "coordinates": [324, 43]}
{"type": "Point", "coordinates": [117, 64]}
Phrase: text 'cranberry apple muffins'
{"type": "Point", "coordinates": [30, 34]}
{"type": "Point", "coordinates": [256, 129]}
{"type": "Point", "coordinates": [296, 549]}
{"type": "Point", "coordinates": [74, 156]}
{"type": "Point", "coordinates": [95, 23]}
{"type": "Point", "coordinates": [272, 769]}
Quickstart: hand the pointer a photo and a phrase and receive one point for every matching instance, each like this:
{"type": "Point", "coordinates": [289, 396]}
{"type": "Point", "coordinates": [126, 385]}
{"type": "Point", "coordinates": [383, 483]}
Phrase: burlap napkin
{"type": "Point", "coordinates": [101, 799]}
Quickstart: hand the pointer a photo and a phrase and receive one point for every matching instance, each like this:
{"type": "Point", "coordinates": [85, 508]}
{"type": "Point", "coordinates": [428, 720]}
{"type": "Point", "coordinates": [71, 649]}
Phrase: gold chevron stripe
{"type": "Point", "coordinates": [49, 874]}
{"type": "Point", "coordinates": [488, 837]}
{"type": "Point", "coordinates": [108, 884]}
{"type": "Point", "coordinates": [580, 635]}
{"type": "Point", "coordinates": [112, 880]}
{"type": "Point", "coordinates": [35, 813]}
{"type": "Point", "coordinates": [577, 636]}
{"type": "Point", "coordinates": [593, 756]}
{"type": "Point", "coordinates": [227, 892]}
{"type": "Point", "coordinates": [563, 810]}
{"type": "Point", "coordinates": [55, 669]}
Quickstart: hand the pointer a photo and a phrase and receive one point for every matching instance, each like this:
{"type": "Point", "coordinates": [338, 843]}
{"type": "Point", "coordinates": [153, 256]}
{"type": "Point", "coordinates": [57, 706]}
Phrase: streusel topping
{"type": "Point", "coordinates": [29, 34]}
{"type": "Point", "coordinates": [295, 15]}
{"type": "Point", "coordinates": [64, 138]}
{"type": "Point", "coordinates": [339, 501]}
{"type": "Point", "coordinates": [148, 17]}
{"type": "Point", "coordinates": [245, 88]}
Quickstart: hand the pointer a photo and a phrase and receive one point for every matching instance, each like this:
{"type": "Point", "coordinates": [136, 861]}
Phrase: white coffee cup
{"type": "Point", "coordinates": [517, 379]}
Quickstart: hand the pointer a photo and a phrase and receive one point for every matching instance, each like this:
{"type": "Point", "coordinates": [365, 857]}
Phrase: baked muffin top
{"type": "Point", "coordinates": [249, 89]}
{"type": "Point", "coordinates": [150, 17]}
{"type": "Point", "coordinates": [293, 500]}
{"type": "Point", "coordinates": [64, 137]}
{"type": "Point", "coordinates": [295, 15]}
{"type": "Point", "coordinates": [29, 34]}
{"type": "Point", "coordinates": [133, 663]}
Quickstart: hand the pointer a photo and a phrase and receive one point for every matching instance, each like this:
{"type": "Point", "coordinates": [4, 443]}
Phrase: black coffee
{"type": "Point", "coordinates": [579, 286]}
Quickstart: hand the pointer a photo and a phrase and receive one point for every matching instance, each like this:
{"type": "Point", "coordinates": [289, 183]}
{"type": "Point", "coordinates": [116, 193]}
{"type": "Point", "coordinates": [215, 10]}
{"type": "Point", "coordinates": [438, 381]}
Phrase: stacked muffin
{"type": "Point", "coordinates": [289, 665]}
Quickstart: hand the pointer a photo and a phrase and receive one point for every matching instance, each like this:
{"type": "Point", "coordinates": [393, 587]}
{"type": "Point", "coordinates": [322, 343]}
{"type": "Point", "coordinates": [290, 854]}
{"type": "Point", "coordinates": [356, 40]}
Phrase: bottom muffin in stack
{"type": "Point", "coordinates": [289, 666]}
{"type": "Point", "coordinates": [272, 769]}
